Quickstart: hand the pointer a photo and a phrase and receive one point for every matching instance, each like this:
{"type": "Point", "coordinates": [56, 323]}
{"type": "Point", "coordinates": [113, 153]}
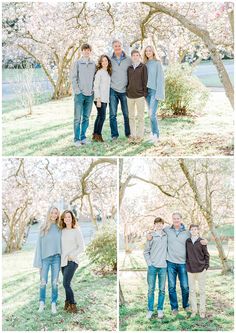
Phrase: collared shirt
{"type": "Point", "coordinates": [135, 65]}
{"type": "Point", "coordinates": [194, 238]}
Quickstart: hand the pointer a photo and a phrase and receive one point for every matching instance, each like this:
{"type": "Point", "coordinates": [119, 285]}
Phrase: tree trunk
{"type": "Point", "coordinates": [121, 296]}
{"type": "Point", "coordinates": [205, 36]}
{"type": "Point", "coordinates": [207, 215]}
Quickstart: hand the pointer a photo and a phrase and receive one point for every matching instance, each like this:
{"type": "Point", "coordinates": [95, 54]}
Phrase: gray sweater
{"type": "Point", "coordinates": [82, 76]}
{"type": "Point", "coordinates": [155, 251]}
{"type": "Point", "coordinates": [176, 247]}
{"type": "Point", "coordinates": [102, 85]}
{"type": "Point", "coordinates": [47, 245]}
{"type": "Point", "coordinates": [156, 79]}
{"type": "Point", "coordinates": [119, 76]}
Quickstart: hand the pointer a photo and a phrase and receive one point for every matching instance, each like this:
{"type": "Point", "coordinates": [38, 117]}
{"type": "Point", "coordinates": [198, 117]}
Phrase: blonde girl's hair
{"type": "Point", "coordinates": [155, 57]}
{"type": "Point", "coordinates": [47, 224]}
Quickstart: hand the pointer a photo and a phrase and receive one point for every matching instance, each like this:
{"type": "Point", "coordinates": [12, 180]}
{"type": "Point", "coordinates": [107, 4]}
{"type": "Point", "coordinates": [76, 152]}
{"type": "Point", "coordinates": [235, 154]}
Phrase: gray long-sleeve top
{"type": "Point", "coordinates": [155, 252]}
{"type": "Point", "coordinates": [82, 76]}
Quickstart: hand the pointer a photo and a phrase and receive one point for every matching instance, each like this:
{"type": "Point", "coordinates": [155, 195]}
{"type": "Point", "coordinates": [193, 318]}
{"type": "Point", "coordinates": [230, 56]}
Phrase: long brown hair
{"type": "Point", "coordinates": [62, 223]}
{"type": "Point", "coordinates": [109, 67]}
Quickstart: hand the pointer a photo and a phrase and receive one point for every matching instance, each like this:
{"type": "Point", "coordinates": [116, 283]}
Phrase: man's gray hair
{"type": "Point", "coordinates": [116, 41]}
{"type": "Point", "coordinates": [177, 213]}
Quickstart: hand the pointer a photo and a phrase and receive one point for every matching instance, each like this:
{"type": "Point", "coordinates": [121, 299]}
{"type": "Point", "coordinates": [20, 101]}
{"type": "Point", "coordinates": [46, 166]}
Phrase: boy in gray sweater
{"type": "Point", "coordinates": [155, 253]}
{"type": "Point", "coordinates": [82, 75]}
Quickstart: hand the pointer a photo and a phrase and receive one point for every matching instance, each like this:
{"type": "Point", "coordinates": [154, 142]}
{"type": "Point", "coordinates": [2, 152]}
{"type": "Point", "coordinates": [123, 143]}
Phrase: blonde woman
{"type": "Point", "coordinates": [48, 256]}
{"type": "Point", "coordinates": [72, 244]}
{"type": "Point", "coordinates": [156, 88]}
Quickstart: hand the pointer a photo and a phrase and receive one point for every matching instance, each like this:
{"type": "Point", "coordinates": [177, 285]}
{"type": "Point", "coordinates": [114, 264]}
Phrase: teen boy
{"type": "Point", "coordinates": [82, 82]}
{"type": "Point", "coordinates": [136, 92]}
{"type": "Point", "coordinates": [155, 255]}
{"type": "Point", "coordinates": [197, 263]}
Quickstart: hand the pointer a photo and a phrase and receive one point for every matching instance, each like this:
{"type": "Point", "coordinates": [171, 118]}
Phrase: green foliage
{"type": "Point", "coordinates": [185, 94]}
{"type": "Point", "coordinates": [103, 248]}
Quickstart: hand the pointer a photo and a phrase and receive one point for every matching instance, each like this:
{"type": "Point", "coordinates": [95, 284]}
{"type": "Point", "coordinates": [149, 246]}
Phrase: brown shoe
{"type": "Point", "coordinates": [67, 304]}
{"type": "Point", "coordinates": [100, 138]}
{"type": "Point", "coordinates": [96, 138]}
{"type": "Point", "coordinates": [72, 308]}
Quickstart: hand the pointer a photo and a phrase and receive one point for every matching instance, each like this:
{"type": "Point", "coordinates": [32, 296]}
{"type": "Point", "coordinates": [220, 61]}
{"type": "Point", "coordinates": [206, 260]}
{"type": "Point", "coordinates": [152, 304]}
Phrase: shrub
{"type": "Point", "coordinates": [102, 249]}
{"type": "Point", "coordinates": [185, 94]}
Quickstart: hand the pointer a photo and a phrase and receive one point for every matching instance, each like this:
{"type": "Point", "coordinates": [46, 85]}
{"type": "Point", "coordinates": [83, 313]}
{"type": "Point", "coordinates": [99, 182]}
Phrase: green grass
{"type": "Point", "coordinates": [220, 306]}
{"type": "Point", "coordinates": [95, 296]}
{"type": "Point", "coordinates": [49, 131]}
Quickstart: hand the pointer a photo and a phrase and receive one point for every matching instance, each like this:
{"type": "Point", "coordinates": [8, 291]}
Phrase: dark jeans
{"type": "Point", "coordinates": [152, 274]}
{"type": "Point", "coordinates": [68, 273]}
{"type": "Point", "coordinates": [174, 270]}
{"type": "Point", "coordinates": [101, 116]}
{"type": "Point", "coordinates": [115, 97]}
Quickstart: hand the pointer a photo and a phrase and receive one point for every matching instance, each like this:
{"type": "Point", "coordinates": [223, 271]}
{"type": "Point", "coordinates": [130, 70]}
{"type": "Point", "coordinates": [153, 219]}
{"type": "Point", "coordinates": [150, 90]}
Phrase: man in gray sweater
{"type": "Point", "coordinates": [82, 83]}
{"type": "Point", "coordinates": [176, 261]}
{"type": "Point", "coordinates": [155, 255]}
{"type": "Point", "coordinates": [119, 79]}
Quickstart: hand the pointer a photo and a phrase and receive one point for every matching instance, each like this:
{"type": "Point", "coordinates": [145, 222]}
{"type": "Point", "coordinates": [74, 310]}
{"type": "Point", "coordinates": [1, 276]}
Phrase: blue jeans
{"type": "Point", "coordinates": [101, 116]}
{"type": "Point", "coordinates": [152, 103]}
{"type": "Point", "coordinates": [173, 271]}
{"type": "Point", "coordinates": [53, 262]}
{"type": "Point", "coordinates": [82, 109]}
{"type": "Point", "coordinates": [68, 273]}
{"type": "Point", "coordinates": [115, 97]}
{"type": "Point", "coordinates": [151, 279]}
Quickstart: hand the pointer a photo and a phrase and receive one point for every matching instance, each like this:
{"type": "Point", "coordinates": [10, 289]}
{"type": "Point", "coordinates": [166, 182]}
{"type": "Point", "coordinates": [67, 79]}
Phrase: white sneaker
{"type": "Point", "coordinates": [160, 314]}
{"type": "Point", "coordinates": [151, 138]}
{"type": "Point", "coordinates": [77, 144]}
{"type": "Point", "coordinates": [54, 308]}
{"type": "Point", "coordinates": [85, 142]}
{"type": "Point", "coordinates": [155, 139]}
{"type": "Point", "coordinates": [149, 314]}
{"type": "Point", "coordinates": [41, 306]}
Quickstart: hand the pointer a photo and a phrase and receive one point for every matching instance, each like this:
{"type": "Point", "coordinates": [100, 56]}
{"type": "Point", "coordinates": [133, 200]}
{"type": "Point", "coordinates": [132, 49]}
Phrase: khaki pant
{"type": "Point", "coordinates": [136, 119]}
{"type": "Point", "coordinates": [192, 279]}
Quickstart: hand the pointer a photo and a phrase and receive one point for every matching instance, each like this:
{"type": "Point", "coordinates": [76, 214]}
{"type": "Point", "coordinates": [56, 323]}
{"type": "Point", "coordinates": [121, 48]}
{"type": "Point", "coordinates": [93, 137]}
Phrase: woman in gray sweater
{"type": "Point", "coordinates": [101, 94]}
{"type": "Point", "coordinates": [156, 89]}
{"type": "Point", "coordinates": [48, 256]}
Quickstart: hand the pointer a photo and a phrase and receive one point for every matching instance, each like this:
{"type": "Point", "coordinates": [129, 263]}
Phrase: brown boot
{"type": "Point", "coordinates": [72, 308]}
{"type": "Point", "coordinates": [100, 138]}
{"type": "Point", "coordinates": [67, 304]}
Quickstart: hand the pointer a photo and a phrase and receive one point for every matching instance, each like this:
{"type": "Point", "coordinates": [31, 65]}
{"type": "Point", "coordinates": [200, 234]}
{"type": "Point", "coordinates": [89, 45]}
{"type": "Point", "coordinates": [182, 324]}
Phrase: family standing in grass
{"type": "Point", "coordinates": [176, 252]}
{"type": "Point", "coordinates": [119, 79]}
{"type": "Point", "coordinates": [58, 248]}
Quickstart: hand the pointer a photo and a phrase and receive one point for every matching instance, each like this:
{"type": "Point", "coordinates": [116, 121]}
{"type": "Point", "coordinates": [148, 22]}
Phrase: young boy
{"type": "Point", "coordinates": [136, 93]}
{"type": "Point", "coordinates": [155, 253]}
{"type": "Point", "coordinates": [197, 263]}
{"type": "Point", "coordinates": [82, 82]}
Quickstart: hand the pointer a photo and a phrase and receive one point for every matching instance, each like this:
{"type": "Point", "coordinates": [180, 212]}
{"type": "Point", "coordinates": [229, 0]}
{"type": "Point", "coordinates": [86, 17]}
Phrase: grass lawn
{"type": "Point", "coordinates": [95, 296]}
{"type": "Point", "coordinates": [220, 298]}
{"type": "Point", "coordinates": [220, 306]}
{"type": "Point", "coordinates": [50, 132]}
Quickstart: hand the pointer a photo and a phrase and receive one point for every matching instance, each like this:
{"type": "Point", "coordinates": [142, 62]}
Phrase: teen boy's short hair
{"type": "Point", "coordinates": [135, 51]}
{"type": "Point", "coordinates": [86, 46]}
{"type": "Point", "coordinates": [177, 213]}
{"type": "Point", "coordinates": [193, 226]}
{"type": "Point", "coordinates": [159, 220]}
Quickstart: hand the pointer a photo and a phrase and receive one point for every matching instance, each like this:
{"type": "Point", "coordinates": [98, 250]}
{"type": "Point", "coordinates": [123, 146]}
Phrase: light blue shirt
{"type": "Point", "coordinates": [47, 245]}
{"type": "Point", "coordinates": [156, 79]}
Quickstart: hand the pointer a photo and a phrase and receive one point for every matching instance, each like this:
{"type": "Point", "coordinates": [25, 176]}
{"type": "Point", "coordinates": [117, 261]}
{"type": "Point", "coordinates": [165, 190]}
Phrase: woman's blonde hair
{"type": "Point", "coordinates": [47, 224]}
{"type": "Point", "coordinates": [155, 57]}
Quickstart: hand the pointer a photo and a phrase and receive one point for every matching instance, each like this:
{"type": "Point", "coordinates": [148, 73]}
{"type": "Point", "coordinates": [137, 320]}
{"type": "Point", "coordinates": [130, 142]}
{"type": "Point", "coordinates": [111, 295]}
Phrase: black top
{"type": "Point", "coordinates": [197, 256]}
{"type": "Point", "coordinates": [137, 81]}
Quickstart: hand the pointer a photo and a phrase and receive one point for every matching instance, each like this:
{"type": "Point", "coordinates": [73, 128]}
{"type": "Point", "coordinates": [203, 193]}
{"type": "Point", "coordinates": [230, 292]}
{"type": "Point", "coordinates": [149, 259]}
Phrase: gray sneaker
{"type": "Point", "coordinates": [149, 314]}
{"type": "Point", "coordinates": [160, 314]}
{"type": "Point", "coordinates": [187, 309]}
{"type": "Point", "coordinates": [175, 312]}
{"type": "Point", "coordinates": [114, 138]}
{"type": "Point", "coordinates": [77, 143]}
{"type": "Point", "coordinates": [85, 142]}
